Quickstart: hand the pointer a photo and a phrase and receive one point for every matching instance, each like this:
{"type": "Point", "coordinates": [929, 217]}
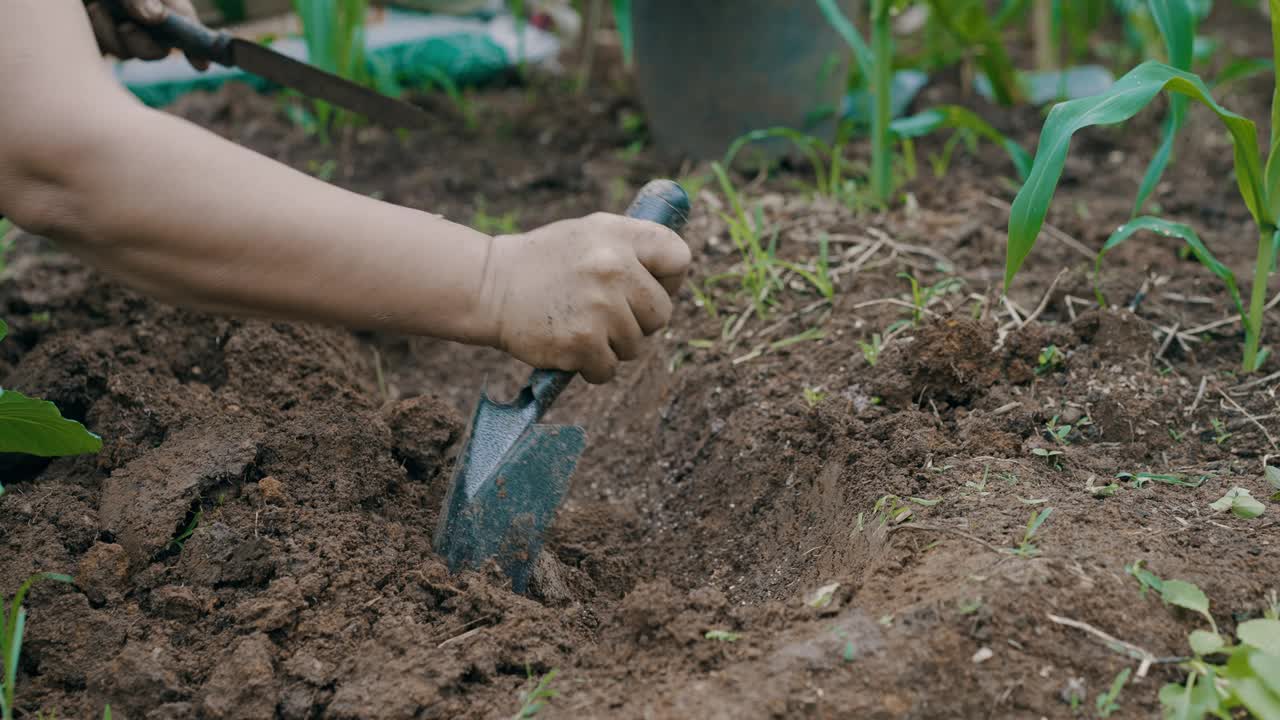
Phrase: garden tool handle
{"type": "Point", "coordinates": [660, 201]}
{"type": "Point", "coordinates": [185, 34]}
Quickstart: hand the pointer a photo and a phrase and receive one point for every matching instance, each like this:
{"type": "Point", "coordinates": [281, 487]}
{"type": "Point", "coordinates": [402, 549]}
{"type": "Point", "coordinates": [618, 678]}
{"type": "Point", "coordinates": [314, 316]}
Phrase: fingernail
{"type": "Point", "coordinates": [153, 10]}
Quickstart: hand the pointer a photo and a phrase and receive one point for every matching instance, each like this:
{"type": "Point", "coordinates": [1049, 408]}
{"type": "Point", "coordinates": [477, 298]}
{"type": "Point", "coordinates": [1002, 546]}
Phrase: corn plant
{"type": "Point", "coordinates": [13, 621]}
{"type": "Point", "coordinates": [967, 20]}
{"type": "Point", "coordinates": [1257, 177]}
{"type": "Point", "coordinates": [35, 427]}
{"type": "Point", "coordinates": [334, 34]}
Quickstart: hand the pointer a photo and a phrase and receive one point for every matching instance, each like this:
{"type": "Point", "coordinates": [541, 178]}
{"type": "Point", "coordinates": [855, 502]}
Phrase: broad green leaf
{"type": "Point", "coordinates": [1267, 667]}
{"type": "Point", "coordinates": [4, 330]}
{"type": "Point", "coordinates": [1204, 642]}
{"type": "Point", "coordinates": [1272, 475]}
{"type": "Point", "coordinates": [1185, 595]}
{"type": "Point", "coordinates": [1181, 232]}
{"type": "Point", "coordinates": [1254, 694]}
{"type": "Point", "coordinates": [1190, 702]}
{"type": "Point", "coordinates": [1263, 634]}
{"type": "Point", "coordinates": [1130, 94]}
{"type": "Point", "coordinates": [1240, 503]}
{"type": "Point", "coordinates": [959, 118]}
{"type": "Point", "coordinates": [35, 427]}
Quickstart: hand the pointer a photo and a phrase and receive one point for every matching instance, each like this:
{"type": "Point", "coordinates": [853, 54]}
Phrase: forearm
{"type": "Point", "coordinates": [188, 216]}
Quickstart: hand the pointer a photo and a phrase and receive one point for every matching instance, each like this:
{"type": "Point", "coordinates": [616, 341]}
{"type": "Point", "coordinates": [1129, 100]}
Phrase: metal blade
{"type": "Point", "coordinates": [286, 71]}
{"type": "Point", "coordinates": [501, 507]}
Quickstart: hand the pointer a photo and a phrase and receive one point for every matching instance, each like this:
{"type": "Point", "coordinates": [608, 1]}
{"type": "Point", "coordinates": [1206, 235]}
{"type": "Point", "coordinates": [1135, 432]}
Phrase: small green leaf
{"type": "Point", "coordinates": [1204, 642]}
{"type": "Point", "coordinates": [1184, 595]}
{"type": "Point", "coordinates": [4, 330]}
{"type": "Point", "coordinates": [35, 427]}
{"type": "Point", "coordinates": [1174, 230]}
{"type": "Point", "coordinates": [1251, 689]}
{"type": "Point", "coordinates": [1262, 633]}
{"type": "Point", "coordinates": [723, 636]}
{"type": "Point", "coordinates": [823, 596]}
{"type": "Point", "coordinates": [925, 501]}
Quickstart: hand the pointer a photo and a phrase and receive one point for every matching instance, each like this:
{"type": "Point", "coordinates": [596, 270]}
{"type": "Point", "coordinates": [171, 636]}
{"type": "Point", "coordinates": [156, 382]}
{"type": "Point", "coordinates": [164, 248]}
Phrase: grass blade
{"type": "Point", "coordinates": [959, 118]}
{"type": "Point", "coordinates": [1173, 230]}
{"type": "Point", "coordinates": [1129, 95]}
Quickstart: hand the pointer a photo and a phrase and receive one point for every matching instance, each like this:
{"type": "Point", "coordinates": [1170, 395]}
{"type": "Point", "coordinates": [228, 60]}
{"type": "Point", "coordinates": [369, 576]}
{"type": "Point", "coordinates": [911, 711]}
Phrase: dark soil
{"type": "Point", "coordinates": [254, 541]}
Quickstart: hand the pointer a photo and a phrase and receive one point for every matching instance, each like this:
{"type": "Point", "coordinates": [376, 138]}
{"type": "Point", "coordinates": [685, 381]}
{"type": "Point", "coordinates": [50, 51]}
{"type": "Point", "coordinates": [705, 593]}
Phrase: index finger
{"type": "Point", "coordinates": [659, 249]}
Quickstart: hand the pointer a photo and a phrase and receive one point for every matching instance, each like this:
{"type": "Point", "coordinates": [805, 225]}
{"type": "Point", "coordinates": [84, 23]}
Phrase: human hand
{"type": "Point", "coordinates": [125, 37]}
{"type": "Point", "coordinates": [581, 295]}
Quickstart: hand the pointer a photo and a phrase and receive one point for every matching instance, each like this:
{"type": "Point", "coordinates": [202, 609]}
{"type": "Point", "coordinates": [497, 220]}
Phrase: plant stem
{"type": "Point", "coordinates": [1042, 29]}
{"type": "Point", "coordinates": [1253, 324]}
{"type": "Point", "coordinates": [1275, 52]}
{"type": "Point", "coordinates": [882, 53]}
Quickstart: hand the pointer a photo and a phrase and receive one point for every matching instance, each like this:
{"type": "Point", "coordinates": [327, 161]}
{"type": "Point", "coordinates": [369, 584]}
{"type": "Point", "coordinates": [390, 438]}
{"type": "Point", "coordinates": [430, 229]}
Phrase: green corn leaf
{"type": "Point", "coordinates": [1263, 634]}
{"type": "Point", "coordinates": [1238, 70]}
{"type": "Point", "coordinates": [1173, 230]}
{"type": "Point", "coordinates": [959, 118]}
{"type": "Point", "coordinates": [35, 427]}
{"type": "Point", "coordinates": [1130, 94]}
{"type": "Point", "coordinates": [841, 24]}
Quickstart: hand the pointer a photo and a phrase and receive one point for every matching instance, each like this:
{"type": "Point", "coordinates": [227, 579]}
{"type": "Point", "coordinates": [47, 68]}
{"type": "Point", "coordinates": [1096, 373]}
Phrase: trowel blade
{"type": "Point", "coordinates": [501, 507]}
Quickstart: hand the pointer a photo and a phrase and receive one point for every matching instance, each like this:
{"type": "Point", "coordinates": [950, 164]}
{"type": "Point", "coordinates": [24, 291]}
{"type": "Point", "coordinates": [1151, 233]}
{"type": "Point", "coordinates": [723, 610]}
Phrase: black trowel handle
{"type": "Point", "coordinates": [660, 201]}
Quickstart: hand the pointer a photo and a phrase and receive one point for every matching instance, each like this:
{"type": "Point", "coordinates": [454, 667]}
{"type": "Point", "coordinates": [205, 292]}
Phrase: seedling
{"type": "Point", "coordinates": [890, 510]}
{"type": "Point", "coordinates": [1272, 475]}
{"type": "Point", "coordinates": [1027, 548]}
{"type": "Point", "coordinates": [813, 396]}
{"type": "Point", "coordinates": [1052, 457]}
{"type": "Point", "coordinates": [1220, 432]}
{"type": "Point", "coordinates": [1106, 703]}
{"type": "Point", "coordinates": [981, 486]}
{"type": "Point", "coordinates": [13, 620]}
{"type": "Point", "coordinates": [536, 697]}
{"type": "Point", "coordinates": [1057, 433]}
{"type": "Point", "coordinates": [1101, 491]}
{"type": "Point", "coordinates": [922, 296]}
{"type": "Point", "coordinates": [1245, 679]}
{"type": "Point", "coordinates": [723, 636]}
{"type": "Point", "coordinates": [871, 350]}
{"type": "Point", "coordinates": [1147, 580]}
{"type": "Point", "coordinates": [1051, 358]}
{"type": "Point", "coordinates": [179, 542]}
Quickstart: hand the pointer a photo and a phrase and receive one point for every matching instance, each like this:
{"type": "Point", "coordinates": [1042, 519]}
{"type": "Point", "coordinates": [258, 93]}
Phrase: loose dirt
{"type": "Point", "coordinates": [254, 540]}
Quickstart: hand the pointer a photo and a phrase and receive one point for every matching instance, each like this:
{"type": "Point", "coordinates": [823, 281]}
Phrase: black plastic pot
{"type": "Point", "coordinates": [708, 71]}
